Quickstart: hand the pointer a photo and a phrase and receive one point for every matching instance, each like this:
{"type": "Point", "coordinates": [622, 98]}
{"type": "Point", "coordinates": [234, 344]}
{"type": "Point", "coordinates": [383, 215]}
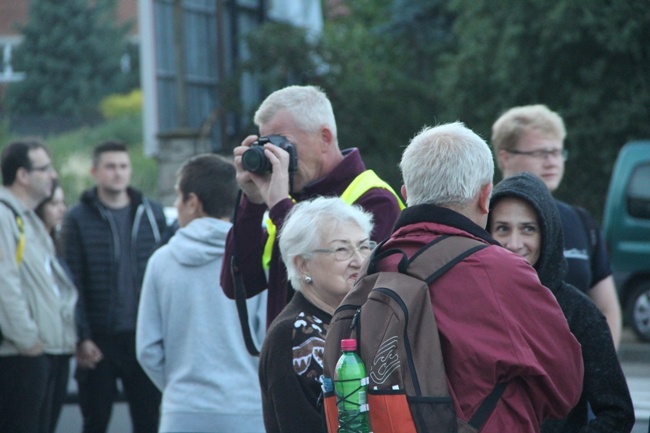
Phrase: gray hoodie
{"type": "Point", "coordinates": [189, 340]}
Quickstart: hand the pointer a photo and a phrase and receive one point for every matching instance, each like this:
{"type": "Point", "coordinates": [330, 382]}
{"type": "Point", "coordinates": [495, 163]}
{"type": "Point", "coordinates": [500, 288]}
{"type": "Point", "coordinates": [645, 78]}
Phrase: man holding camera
{"type": "Point", "coordinates": [305, 162]}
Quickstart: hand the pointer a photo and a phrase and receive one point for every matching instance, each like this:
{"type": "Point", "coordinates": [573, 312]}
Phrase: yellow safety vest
{"type": "Point", "coordinates": [358, 187]}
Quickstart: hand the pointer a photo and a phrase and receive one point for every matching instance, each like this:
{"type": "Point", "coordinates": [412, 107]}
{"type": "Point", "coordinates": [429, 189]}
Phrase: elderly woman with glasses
{"type": "Point", "coordinates": [323, 243]}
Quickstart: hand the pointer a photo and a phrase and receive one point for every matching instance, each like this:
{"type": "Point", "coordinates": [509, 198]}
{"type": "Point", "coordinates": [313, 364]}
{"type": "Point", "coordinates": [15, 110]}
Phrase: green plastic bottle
{"type": "Point", "coordinates": [351, 386]}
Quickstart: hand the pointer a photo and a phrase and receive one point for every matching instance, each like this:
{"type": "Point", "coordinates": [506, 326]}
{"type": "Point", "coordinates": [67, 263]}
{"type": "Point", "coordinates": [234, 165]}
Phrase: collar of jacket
{"type": "Point", "coordinates": [91, 197]}
{"type": "Point", "coordinates": [441, 215]}
{"type": "Point", "coordinates": [338, 179]}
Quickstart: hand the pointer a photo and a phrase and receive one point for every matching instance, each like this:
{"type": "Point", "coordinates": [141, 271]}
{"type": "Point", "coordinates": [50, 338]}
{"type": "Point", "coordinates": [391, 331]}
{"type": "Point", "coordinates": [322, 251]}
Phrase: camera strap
{"type": "Point", "coordinates": [240, 290]}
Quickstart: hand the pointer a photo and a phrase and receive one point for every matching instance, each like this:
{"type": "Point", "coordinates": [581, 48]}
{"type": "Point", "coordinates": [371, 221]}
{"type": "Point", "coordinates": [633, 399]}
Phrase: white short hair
{"type": "Point", "coordinates": [302, 231]}
{"type": "Point", "coordinates": [308, 105]}
{"type": "Point", "coordinates": [446, 165]}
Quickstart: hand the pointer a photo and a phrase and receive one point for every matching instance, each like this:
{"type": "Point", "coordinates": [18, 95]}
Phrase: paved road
{"type": "Point", "coordinates": [635, 360]}
{"type": "Point", "coordinates": [638, 380]}
{"type": "Point", "coordinates": [634, 356]}
{"type": "Point", "coordinates": [70, 421]}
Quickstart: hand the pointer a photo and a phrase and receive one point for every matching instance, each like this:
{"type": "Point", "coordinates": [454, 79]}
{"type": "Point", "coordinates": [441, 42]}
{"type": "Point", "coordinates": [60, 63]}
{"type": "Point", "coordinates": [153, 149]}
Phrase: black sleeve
{"type": "Point", "coordinates": [604, 386]}
{"type": "Point", "coordinates": [74, 254]}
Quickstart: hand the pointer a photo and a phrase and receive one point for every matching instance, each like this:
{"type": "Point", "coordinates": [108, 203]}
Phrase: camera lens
{"type": "Point", "coordinates": [255, 161]}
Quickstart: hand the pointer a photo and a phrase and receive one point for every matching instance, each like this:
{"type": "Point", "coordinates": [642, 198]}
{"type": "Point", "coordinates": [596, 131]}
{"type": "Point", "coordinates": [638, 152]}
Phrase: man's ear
{"type": "Point", "coordinates": [22, 175]}
{"type": "Point", "coordinates": [502, 159]}
{"type": "Point", "coordinates": [195, 204]}
{"type": "Point", "coordinates": [404, 193]}
{"type": "Point", "coordinates": [327, 138]}
{"type": "Point", "coordinates": [484, 198]}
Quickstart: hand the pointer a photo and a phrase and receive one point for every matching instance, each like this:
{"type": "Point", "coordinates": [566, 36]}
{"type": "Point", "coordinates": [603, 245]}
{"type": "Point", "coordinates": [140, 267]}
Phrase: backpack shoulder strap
{"type": "Point", "coordinates": [431, 262]}
{"type": "Point", "coordinates": [485, 409]}
{"type": "Point", "coordinates": [440, 255]}
{"type": "Point", "coordinates": [20, 248]}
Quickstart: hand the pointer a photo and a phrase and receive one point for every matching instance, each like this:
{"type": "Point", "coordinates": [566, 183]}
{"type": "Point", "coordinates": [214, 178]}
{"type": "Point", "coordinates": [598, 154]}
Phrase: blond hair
{"type": "Point", "coordinates": [514, 123]}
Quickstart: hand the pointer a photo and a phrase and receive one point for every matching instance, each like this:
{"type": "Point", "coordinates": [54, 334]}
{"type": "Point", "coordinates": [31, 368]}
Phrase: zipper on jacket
{"type": "Point", "coordinates": [116, 256]}
{"type": "Point", "coordinates": [116, 241]}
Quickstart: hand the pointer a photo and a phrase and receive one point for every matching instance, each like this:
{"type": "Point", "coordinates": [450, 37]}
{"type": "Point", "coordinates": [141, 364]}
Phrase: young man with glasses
{"type": "Point", "coordinates": [37, 299]}
{"type": "Point", "coordinates": [531, 139]}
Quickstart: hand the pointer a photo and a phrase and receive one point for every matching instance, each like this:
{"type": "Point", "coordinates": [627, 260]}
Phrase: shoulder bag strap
{"type": "Point", "coordinates": [20, 248]}
{"type": "Point", "coordinates": [240, 290]}
{"type": "Point", "coordinates": [440, 255]}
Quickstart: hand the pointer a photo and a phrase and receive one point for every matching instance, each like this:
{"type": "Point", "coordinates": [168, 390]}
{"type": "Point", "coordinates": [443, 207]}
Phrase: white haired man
{"type": "Point", "coordinates": [304, 116]}
{"type": "Point", "coordinates": [488, 336]}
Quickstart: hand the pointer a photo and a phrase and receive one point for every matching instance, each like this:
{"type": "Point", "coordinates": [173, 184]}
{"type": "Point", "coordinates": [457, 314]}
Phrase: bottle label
{"type": "Point", "coordinates": [326, 384]}
{"type": "Point", "coordinates": [363, 399]}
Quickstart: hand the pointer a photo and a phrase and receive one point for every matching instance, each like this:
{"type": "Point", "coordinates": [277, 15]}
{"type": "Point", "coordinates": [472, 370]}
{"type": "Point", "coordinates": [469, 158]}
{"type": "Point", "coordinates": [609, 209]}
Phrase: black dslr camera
{"type": "Point", "coordinates": [255, 161]}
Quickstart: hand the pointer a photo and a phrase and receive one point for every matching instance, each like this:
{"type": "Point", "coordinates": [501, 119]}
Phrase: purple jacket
{"type": "Point", "coordinates": [251, 236]}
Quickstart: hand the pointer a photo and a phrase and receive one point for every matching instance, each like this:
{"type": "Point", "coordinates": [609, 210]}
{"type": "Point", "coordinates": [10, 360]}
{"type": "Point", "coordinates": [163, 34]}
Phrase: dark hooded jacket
{"type": "Point", "coordinates": [92, 249]}
{"type": "Point", "coordinates": [604, 386]}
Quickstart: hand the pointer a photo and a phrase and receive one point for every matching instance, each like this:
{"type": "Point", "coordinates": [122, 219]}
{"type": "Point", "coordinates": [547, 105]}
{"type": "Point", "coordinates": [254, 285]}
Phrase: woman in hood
{"type": "Point", "coordinates": [524, 219]}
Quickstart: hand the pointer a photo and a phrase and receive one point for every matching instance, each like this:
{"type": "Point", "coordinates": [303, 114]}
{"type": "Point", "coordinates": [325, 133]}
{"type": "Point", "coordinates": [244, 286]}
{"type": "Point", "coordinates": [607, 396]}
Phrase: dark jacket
{"type": "Point", "coordinates": [605, 387]}
{"type": "Point", "coordinates": [250, 237]}
{"type": "Point", "coordinates": [489, 336]}
{"type": "Point", "coordinates": [92, 249]}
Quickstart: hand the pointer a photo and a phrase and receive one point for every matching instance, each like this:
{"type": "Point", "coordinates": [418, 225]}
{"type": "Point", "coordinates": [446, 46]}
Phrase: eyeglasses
{"type": "Point", "coordinates": [43, 168]}
{"type": "Point", "coordinates": [345, 252]}
{"type": "Point", "coordinates": [543, 153]}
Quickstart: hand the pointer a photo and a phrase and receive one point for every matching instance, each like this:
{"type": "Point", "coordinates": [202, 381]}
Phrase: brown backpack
{"type": "Point", "coordinates": [390, 316]}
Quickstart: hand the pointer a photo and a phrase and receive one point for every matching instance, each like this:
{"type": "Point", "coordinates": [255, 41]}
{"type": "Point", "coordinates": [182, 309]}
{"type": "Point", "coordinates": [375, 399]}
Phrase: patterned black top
{"type": "Point", "coordinates": [291, 364]}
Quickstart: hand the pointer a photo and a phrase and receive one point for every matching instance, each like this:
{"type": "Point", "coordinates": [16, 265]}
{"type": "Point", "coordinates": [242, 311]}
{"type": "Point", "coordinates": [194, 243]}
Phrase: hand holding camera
{"type": "Point", "coordinates": [255, 161]}
{"type": "Point", "coordinates": [255, 173]}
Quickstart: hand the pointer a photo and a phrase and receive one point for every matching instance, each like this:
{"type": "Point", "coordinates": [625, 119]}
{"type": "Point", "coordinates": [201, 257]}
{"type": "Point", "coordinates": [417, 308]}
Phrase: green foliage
{"type": "Point", "coordinates": [280, 55]}
{"type": "Point", "coordinates": [378, 103]}
{"type": "Point", "coordinates": [392, 66]}
{"type": "Point", "coordinates": [586, 60]}
{"type": "Point", "coordinates": [357, 69]}
{"type": "Point", "coordinates": [71, 154]}
{"type": "Point", "coordinates": [71, 55]}
{"type": "Point", "coordinates": [122, 104]}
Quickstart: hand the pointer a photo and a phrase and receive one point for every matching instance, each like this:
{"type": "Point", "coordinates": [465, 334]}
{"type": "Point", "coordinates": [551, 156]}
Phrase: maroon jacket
{"type": "Point", "coordinates": [489, 334]}
{"type": "Point", "coordinates": [251, 236]}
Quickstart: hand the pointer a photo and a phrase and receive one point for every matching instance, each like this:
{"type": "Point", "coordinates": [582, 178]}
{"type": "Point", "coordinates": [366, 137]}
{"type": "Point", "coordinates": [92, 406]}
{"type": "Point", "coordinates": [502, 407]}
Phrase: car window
{"type": "Point", "coordinates": [638, 193]}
